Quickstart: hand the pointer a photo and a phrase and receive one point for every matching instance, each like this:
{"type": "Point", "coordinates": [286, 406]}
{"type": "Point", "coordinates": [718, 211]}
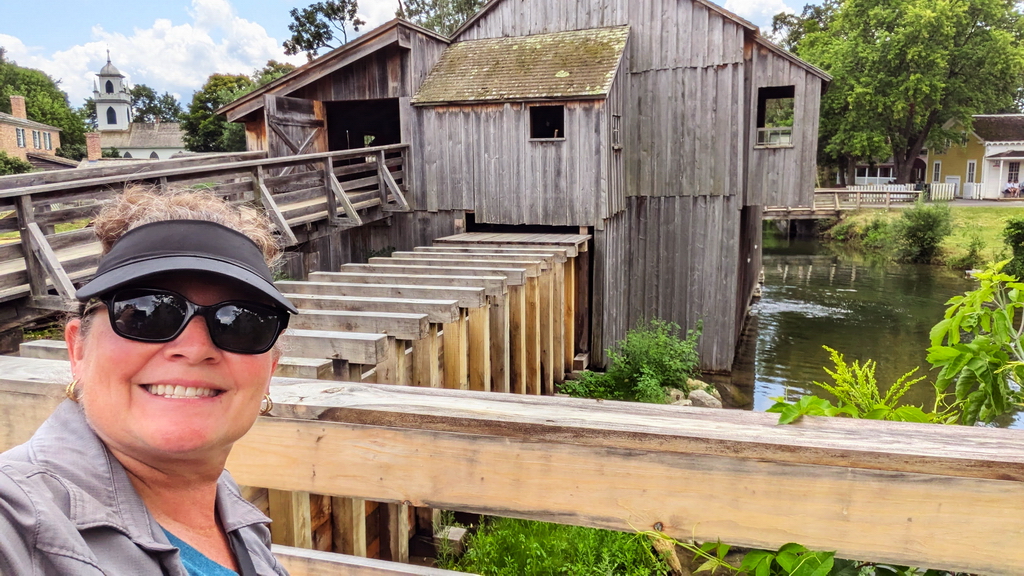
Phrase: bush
{"type": "Point", "coordinates": [1013, 235]}
{"type": "Point", "coordinates": [505, 546]}
{"type": "Point", "coordinates": [650, 359]}
{"type": "Point", "coordinates": [842, 231]}
{"type": "Point", "coordinates": [972, 258]}
{"type": "Point", "coordinates": [878, 236]}
{"type": "Point", "coordinates": [13, 165]}
{"type": "Point", "coordinates": [921, 229]}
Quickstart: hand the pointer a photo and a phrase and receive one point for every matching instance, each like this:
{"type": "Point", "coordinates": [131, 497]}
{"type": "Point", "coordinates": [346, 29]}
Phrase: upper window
{"type": "Point", "coordinates": [972, 167]}
{"type": "Point", "coordinates": [547, 122]}
{"type": "Point", "coordinates": [111, 115]}
{"type": "Point", "coordinates": [775, 115]}
{"type": "Point", "coordinates": [1014, 171]}
{"type": "Point", "coordinates": [110, 87]}
{"type": "Point", "coordinates": [48, 141]}
{"type": "Point", "coordinates": [37, 142]}
{"type": "Point", "coordinates": [936, 171]}
{"type": "Point", "coordinates": [21, 137]}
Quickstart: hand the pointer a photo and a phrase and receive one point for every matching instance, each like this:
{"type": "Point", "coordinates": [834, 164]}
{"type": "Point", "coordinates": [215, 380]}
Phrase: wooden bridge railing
{"type": "Point", "coordinates": [332, 187]}
{"type": "Point", "coordinates": [944, 497]}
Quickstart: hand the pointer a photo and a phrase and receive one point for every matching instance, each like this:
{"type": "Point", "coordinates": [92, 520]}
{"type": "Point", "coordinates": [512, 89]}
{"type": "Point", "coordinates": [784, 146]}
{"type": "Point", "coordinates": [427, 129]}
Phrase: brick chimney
{"type": "Point", "coordinates": [18, 107]}
{"type": "Point", "coordinates": [94, 150]}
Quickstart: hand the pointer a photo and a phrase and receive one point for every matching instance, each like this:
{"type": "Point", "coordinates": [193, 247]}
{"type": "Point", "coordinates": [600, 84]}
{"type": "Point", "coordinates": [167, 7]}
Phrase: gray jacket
{"type": "Point", "coordinates": [67, 507]}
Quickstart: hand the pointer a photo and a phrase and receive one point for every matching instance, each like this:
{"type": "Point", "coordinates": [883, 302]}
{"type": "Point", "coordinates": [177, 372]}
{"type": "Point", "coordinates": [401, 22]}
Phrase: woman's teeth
{"type": "Point", "coordinates": [171, 391]}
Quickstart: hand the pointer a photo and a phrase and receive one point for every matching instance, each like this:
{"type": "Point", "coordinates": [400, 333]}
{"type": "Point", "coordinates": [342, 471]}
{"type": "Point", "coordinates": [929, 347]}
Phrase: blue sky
{"type": "Point", "coordinates": [174, 45]}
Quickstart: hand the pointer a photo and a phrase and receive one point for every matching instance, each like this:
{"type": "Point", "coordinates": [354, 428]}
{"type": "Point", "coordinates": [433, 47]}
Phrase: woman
{"type": "Point", "coordinates": [171, 363]}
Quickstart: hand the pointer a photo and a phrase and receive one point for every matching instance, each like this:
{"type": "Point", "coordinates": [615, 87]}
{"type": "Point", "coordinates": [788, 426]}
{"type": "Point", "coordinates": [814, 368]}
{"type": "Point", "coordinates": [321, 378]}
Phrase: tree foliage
{"type": "Point", "coordinates": [903, 68]}
{"type": "Point", "coordinates": [921, 229]}
{"type": "Point", "coordinates": [13, 165]}
{"type": "Point", "coordinates": [318, 25]}
{"type": "Point", "coordinates": [147, 106]}
{"type": "Point", "coordinates": [44, 101]}
{"type": "Point", "coordinates": [206, 131]}
{"type": "Point", "coordinates": [441, 16]}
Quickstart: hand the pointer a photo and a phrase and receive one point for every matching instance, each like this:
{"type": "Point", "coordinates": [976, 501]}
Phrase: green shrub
{"type": "Point", "coordinates": [972, 258]}
{"type": "Point", "coordinates": [878, 236]}
{"type": "Point", "coordinates": [510, 547]}
{"type": "Point", "coordinates": [843, 231]}
{"type": "Point", "coordinates": [1013, 235]}
{"type": "Point", "coordinates": [650, 359]}
{"type": "Point", "coordinates": [13, 165]}
{"type": "Point", "coordinates": [921, 229]}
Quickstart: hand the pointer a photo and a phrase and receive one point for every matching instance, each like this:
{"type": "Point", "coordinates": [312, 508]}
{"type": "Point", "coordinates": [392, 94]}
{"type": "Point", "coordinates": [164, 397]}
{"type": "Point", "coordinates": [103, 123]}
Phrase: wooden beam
{"type": "Point", "coordinates": [273, 212]}
{"type": "Point", "coordinates": [467, 297]}
{"type": "Point", "coordinates": [569, 319]}
{"type": "Point", "coordinates": [513, 276]}
{"type": "Point", "coordinates": [530, 268]}
{"type": "Point", "coordinates": [290, 518]}
{"type": "Point", "coordinates": [456, 353]}
{"type": "Point", "coordinates": [533, 337]}
{"type": "Point", "coordinates": [388, 184]}
{"type": "Point", "coordinates": [299, 562]}
{"type": "Point", "coordinates": [48, 259]}
{"type": "Point", "coordinates": [426, 368]}
{"type": "Point", "coordinates": [348, 516]}
{"type": "Point", "coordinates": [492, 285]}
{"type": "Point", "coordinates": [557, 254]}
{"type": "Point", "coordinates": [544, 259]}
{"type": "Point", "coordinates": [517, 339]}
{"type": "Point", "coordinates": [395, 534]}
{"type": "Point", "coordinates": [33, 267]}
{"type": "Point", "coordinates": [437, 311]}
{"type": "Point", "coordinates": [547, 353]}
{"type": "Point", "coordinates": [352, 347]}
{"type": "Point", "coordinates": [396, 324]}
{"type": "Point", "coordinates": [479, 346]}
{"type": "Point", "coordinates": [342, 198]}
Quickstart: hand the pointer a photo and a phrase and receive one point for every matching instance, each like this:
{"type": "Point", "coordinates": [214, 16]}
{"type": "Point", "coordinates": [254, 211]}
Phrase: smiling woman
{"type": "Point", "coordinates": [171, 360]}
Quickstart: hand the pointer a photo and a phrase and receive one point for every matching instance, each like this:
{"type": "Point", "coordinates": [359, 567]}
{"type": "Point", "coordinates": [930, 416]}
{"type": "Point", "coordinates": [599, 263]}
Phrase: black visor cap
{"type": "Point", "coordinates": [183, 246]}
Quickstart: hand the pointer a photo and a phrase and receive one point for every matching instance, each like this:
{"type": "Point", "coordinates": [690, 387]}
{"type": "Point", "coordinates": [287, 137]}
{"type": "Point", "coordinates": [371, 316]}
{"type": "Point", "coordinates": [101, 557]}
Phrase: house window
{"type": "Point", "coordinates": [48, 140]}
{"type": "Point", "coordinates": [21, 137]}
{"type": "Point", "coordinates": [971, 168]}
{"type": "Point", "coordinates": [547, 122]}
{"type": "Point", "coordinates": [111, 115]}
{"type": "Point", "coordinates": [36, 142]}
{"type": "Point", "coordinates": [153, 156]}
{"type": "Point", "coordinates": [885, 172]}
{"type": "Point", "coordinates": [936, 171]}
{"type": "Point", "coordinates": [862, 172]}
{"type": "Point", "coordinates": [110, 87]}
{"type": "Point", "coordinates": [616, 131]}
{"type": "Point", "coordinates": [127, 155]}
{"type": "Point", "coordinates": [775, 113]}
{"type": "Point", "coordinates": [1014, 171]}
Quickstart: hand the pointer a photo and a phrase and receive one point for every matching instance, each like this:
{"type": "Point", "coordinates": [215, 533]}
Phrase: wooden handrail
{"type": "Point", "coordinates": [944, 497]}
{"type": "Point", "coordinates": [192, 172]}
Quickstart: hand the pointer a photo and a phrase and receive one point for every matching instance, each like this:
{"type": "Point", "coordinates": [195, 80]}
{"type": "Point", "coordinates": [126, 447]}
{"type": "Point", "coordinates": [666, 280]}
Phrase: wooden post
{"type": "Point", "coordinates": [36, 273]}
{"type": "Point", "coordinates": [456, 369]}
{"type": "Point", "coordinates": [425, 369]}
{"type": "Point", "coordinates": [569, 320]}
{"type": "Point", "coordinates": [517, 339]}
{"type": "Point", "coordinates": [500, 375]}
{"type": "Point", "coordinates": [533, 373]}
{"type": "Point", "coordinates": [479, 348]}
{"type": "Point", "coordinates": [394, 538]}
{"type": "Point", "coordinates": [547, 364]}
{"type": "Point", "coordinates": [332, 200]}
{"type": "Point", "coordinates": [349, 515]}
{"type": "Point", "coordinates": [558, 322]}
{"type": "Point", "coordinates": [290, 515]}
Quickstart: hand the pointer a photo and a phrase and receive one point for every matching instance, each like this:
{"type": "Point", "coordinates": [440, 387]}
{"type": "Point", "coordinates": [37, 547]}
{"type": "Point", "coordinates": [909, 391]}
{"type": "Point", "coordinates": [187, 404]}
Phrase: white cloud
{"type": "Point", "coordinates": [166, 56]}
{"type": "Point", "coordinates": [376, 12]}
{"type": "Point", "coordinates": [759, 12]}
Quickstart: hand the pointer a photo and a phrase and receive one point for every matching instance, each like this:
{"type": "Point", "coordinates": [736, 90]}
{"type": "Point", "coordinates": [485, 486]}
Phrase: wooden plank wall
{"type": "Point", "coordinates": [784, 176]}
{"type": "Point", "coordinates": [481, 158]}
{"type": "Point", "coordinates": [674, 258]}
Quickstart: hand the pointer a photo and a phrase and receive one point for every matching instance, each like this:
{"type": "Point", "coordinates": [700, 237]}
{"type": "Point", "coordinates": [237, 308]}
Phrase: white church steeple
{"type": "Point", "coordinates": [113, 102]}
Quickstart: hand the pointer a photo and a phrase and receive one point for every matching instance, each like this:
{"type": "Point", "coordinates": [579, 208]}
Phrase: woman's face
{"type": "Point", "coordinates": [125, 384]}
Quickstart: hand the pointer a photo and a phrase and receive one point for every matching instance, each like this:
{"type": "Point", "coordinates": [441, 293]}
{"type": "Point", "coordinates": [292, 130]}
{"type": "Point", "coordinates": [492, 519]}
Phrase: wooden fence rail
{"type": "Point", "coordinates": [943, 497]}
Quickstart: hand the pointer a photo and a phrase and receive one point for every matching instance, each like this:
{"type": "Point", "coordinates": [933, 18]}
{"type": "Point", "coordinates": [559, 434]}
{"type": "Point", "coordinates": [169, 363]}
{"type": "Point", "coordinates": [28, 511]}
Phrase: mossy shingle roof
{"type": "Point", "coordinates": [999, 127]}
{"type": "Point", "coordinates": [569, 65]}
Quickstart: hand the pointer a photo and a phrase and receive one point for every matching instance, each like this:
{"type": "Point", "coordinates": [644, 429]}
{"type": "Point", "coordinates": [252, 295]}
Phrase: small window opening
{"type": "Point", "coordinates": [153, 156]}
{"type": "Point", "coordinates": [127, 155]}
{"type": "Point", "coordinates": [110, 87]}
{"type": "Point", "coordinates": [775, 115]}
{"type": "Point", "coordinates": [936, 171]}
{"type": "Point", "coordinates": [1014, 171]}
{"type": "Point", "coordinates": [616, 132]}
{"type": "Point", "coordinates": [547, 122]}
{"type": "Point", "coordinates": [111, 115]}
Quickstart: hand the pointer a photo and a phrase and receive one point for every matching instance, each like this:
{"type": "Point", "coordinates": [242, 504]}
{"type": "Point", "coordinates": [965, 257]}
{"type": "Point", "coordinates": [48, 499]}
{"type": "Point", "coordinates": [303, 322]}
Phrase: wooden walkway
{"type": "Point", "coordinates": [830, 203]}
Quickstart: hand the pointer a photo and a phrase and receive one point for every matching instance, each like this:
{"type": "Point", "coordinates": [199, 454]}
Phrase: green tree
{"type": "Point", "coordinates": [441, 16]}
{"type": "Point", "coordinates": [902, 68]}
{"type": "Point", "coordinates": [206, 131]}
{"type": "Point", "coordinates": [13, 165]}
{"type": "Point", "coordinates": [317, 26]}
{"type": "Point", "coordinates": [271, 71]}
{"type": "Point", "coordinates": [788, 28]}
{"type": "Point", "coordinates": [44, 101]}
{"type": "Point", "coordinates": [147, 106]}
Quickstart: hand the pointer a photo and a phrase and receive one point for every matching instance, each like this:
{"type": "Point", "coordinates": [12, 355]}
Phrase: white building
{"type": "Point", "coordinates": [156, 141]}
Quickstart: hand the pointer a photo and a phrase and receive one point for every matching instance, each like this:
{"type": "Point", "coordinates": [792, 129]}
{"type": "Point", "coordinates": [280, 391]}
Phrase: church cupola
{"type": "Point", "coordinates": [113, 102]}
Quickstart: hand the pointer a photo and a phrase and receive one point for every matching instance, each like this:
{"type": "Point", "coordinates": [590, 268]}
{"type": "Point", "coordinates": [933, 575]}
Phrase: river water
{"type": "Point", "coordinates": [865, 309]}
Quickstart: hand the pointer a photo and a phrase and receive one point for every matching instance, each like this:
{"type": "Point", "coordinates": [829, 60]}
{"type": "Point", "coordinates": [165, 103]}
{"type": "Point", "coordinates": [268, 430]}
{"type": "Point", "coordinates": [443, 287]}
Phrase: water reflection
{"type": "Point", "coordinates": [866, 310]}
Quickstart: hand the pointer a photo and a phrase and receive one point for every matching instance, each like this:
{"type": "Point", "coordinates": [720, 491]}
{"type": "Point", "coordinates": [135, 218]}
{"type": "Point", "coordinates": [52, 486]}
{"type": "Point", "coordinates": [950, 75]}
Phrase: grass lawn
{"type": "Point", "coordinates": [986, 222]}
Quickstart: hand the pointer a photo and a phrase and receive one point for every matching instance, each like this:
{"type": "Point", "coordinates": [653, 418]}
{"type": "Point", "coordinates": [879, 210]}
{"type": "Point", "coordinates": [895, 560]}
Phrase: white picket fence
{"type": "Point", "coordinates": [939, 191]}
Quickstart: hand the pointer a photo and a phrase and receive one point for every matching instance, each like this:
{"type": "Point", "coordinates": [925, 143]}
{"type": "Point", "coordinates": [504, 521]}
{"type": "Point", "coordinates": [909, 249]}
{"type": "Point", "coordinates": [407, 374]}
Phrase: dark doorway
{"type": "Point", "coordinates": [361, 123]}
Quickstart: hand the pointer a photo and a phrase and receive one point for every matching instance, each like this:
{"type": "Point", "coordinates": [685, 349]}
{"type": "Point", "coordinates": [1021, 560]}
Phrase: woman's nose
{"type": "Point", "coordinates": [194, 342]}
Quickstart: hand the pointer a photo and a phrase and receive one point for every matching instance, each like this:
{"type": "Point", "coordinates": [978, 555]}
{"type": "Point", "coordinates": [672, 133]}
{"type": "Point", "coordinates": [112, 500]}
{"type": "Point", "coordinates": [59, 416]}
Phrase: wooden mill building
{"type": "Point", "coordinates": [647, 124]}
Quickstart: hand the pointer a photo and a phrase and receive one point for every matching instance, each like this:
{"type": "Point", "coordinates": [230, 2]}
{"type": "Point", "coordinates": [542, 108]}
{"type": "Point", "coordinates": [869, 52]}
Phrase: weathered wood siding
{"type": "Point", "coordinates": [784, 176]}
{"type": "Point", "coordinates": [480, 157]}
{"type": "Point", "coordinates": [666, 33]}
{"type": "Point", "coordinates": [674, 258]}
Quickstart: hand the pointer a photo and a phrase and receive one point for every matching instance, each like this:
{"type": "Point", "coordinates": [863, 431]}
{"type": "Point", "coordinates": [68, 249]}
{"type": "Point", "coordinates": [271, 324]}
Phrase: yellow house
{"type": "Point", "coordinates": [979, 164]}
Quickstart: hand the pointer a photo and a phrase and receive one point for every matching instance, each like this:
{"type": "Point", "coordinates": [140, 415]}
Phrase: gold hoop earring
{"type": "Point", "coordinates": [70, 391]}
{"type": "Point", "coordinates": [264, 410]}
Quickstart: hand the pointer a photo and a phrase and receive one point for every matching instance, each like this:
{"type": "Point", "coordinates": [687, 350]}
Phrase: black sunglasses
{"type": "Point", "coordinates": [150, 315]}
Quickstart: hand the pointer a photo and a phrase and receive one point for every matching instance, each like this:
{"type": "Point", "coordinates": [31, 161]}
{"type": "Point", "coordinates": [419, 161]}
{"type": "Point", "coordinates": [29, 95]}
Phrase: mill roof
{"type": "Point", "coordinates": [139, 135]}
{"type": "Point", "coordinates": [14, 120]}
{"type": "Point", "coordinates": [999, 127]}
{"type": "Point", "coordinates": [560, 65]}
